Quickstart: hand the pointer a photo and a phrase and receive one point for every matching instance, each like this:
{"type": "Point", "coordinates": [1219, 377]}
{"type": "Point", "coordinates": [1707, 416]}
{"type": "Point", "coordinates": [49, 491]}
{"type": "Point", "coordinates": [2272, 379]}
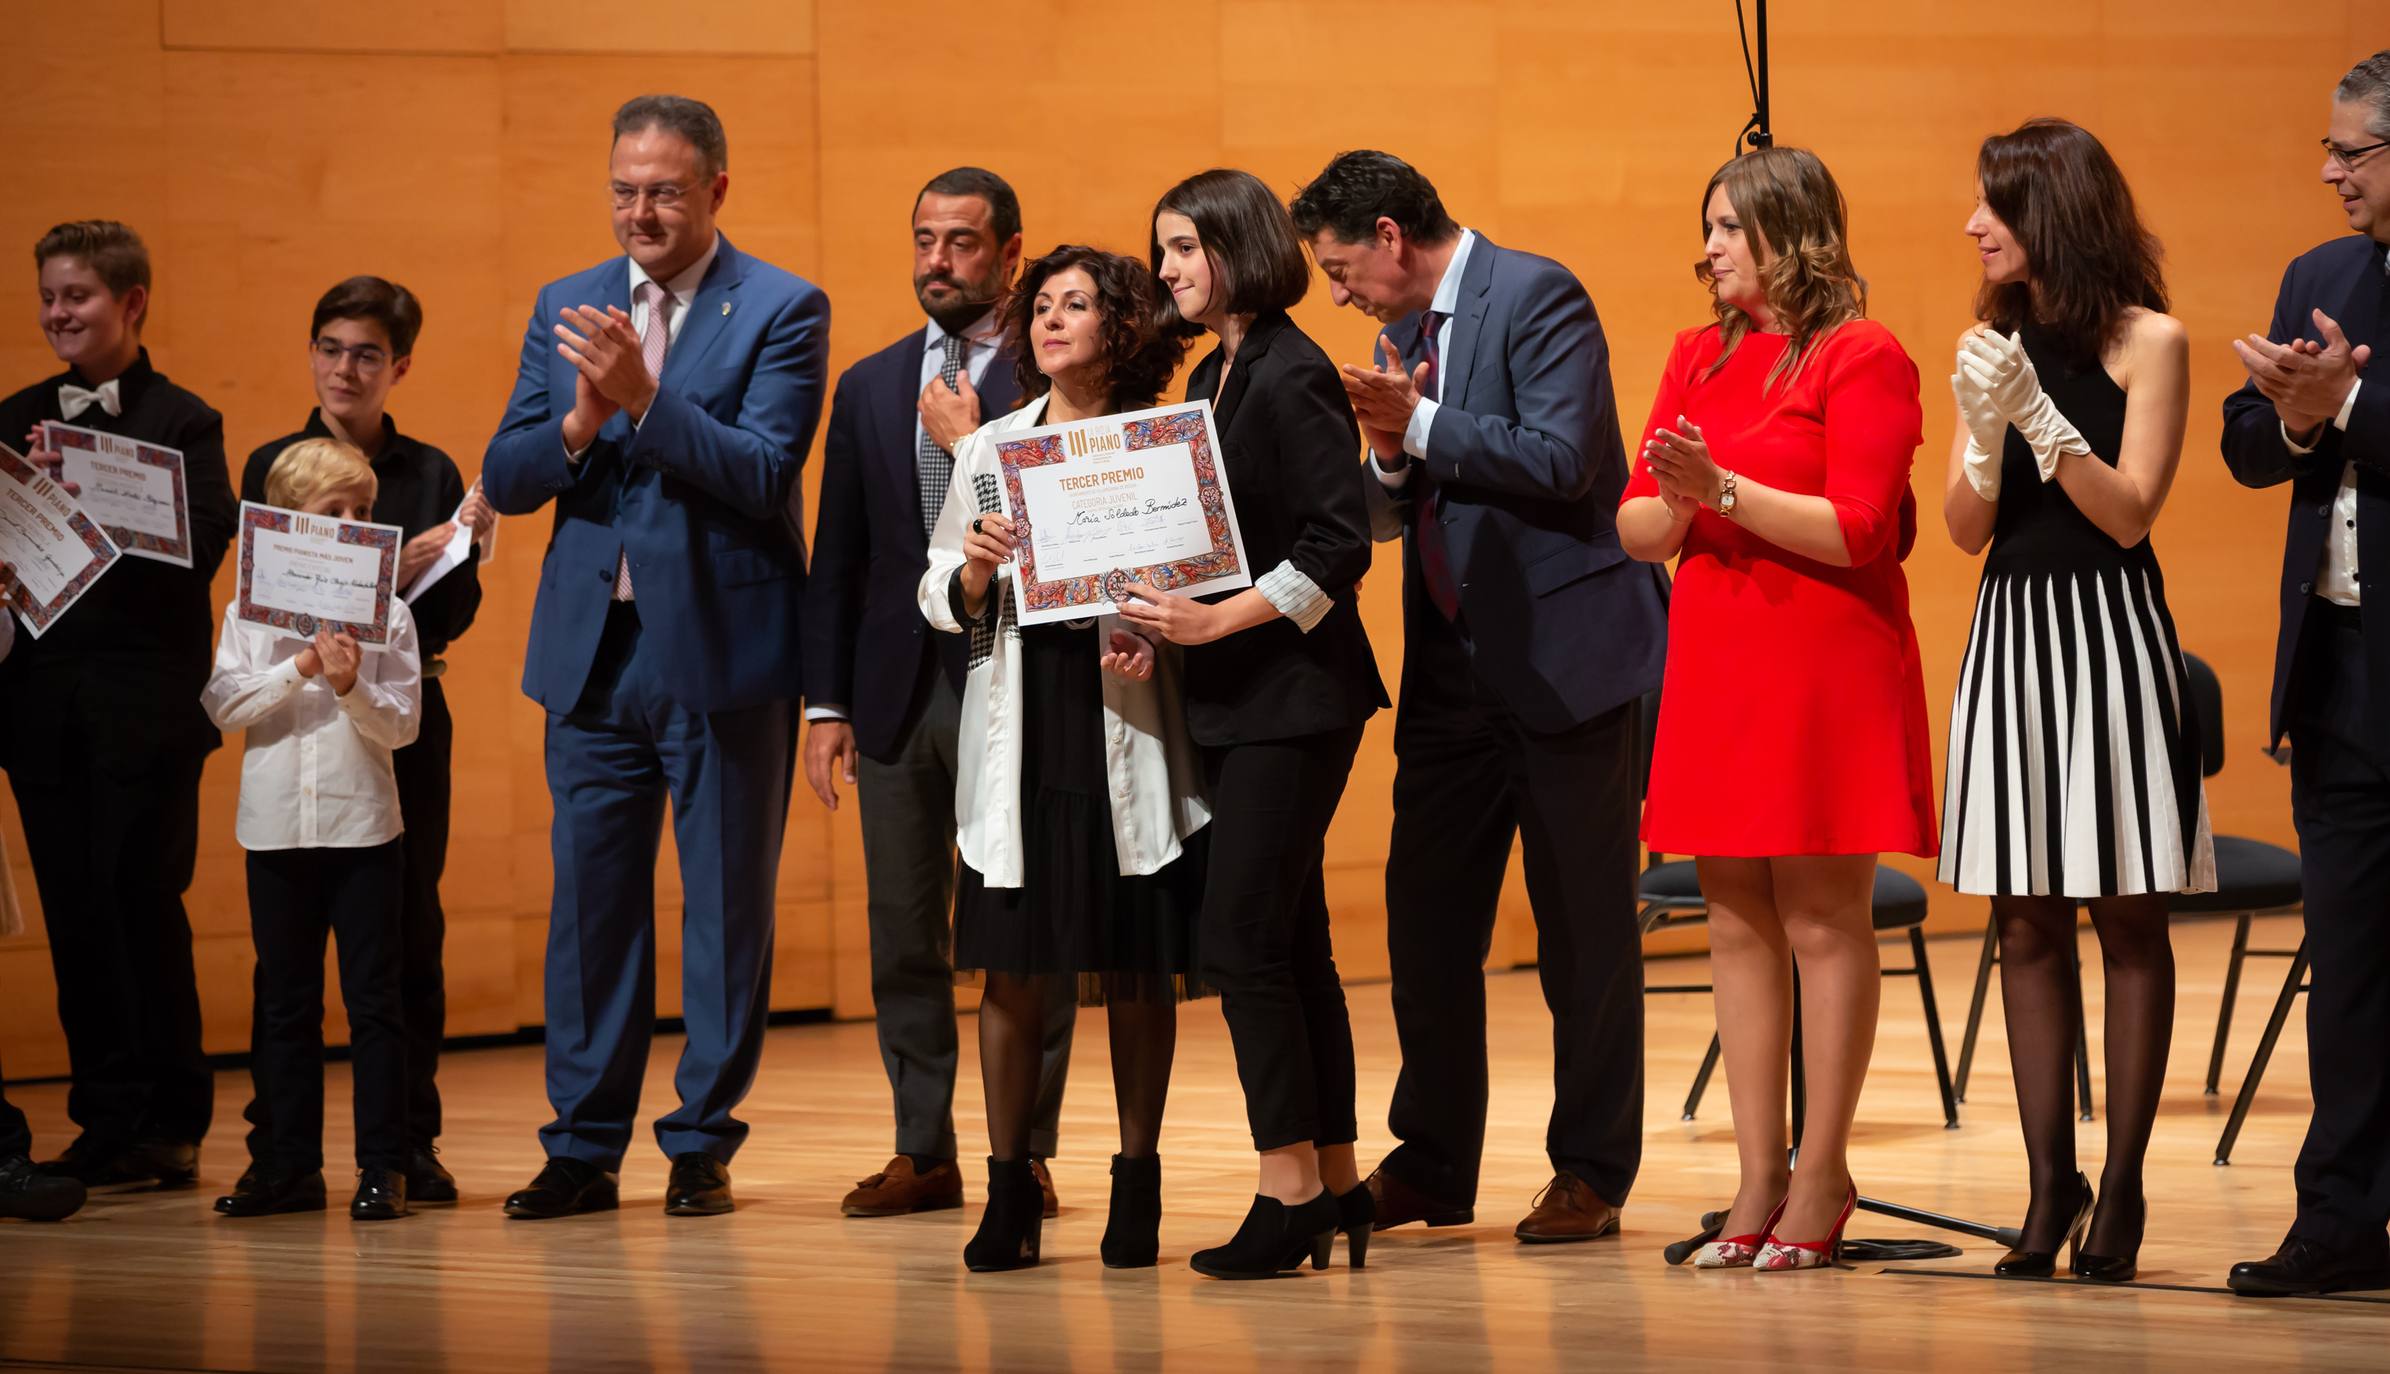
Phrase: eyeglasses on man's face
{"type": "Point", "coordinates": [2346, 159]}
{"type": "Point", "coordinates": [663, 196]}
{"type": "Point", "coordinates": [368, 359]}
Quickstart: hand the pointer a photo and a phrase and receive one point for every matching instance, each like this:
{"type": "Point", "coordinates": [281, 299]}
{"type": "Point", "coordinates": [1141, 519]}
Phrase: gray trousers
{"type": "Point", "coordinates": [908, 861]}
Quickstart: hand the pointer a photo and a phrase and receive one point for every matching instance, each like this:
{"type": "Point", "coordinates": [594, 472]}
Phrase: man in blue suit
{"type": "Point", "coordinates": [883, 695]}
{"type": "Point", "coordinates": [665, 404]}
{"type": "Point", "coordinates": [2312, 415]}
{"type": "Point", "coordinates": [1529, 639]}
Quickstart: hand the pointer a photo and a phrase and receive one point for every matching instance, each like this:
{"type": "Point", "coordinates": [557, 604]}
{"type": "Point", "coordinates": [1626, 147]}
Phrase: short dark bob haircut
{"type": "Point", "coordinates": [384, 302]}
{"type": "Point", "coordinates": [1358, 188]}
{"type": "Point", "coordinates": [1256, 258]}
{"type": "Point", "coordinates": [1140, 356]}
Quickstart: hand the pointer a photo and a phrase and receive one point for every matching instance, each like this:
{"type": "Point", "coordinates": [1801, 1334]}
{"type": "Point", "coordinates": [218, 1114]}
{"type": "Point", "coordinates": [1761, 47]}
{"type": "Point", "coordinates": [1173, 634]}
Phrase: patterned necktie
{"type": "Point", "coordinates": [1427, 511]}
{"type": "Point", "coordinates": [652, 344]}
{"type": "Point", "coordinates": [934, 465]}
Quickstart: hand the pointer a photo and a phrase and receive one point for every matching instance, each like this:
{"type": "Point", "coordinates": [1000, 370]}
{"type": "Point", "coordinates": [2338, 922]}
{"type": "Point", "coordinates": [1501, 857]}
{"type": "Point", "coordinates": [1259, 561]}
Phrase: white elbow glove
{"type": "Point", "coordinates": [1997, 363]}
{"type": "Point", "coordinates": [1987, 434]}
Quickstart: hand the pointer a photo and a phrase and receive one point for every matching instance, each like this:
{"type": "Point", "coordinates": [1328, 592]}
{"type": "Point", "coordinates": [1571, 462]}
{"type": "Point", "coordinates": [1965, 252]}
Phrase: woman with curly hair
{"type": "Point", "coordinates": [1792, 735]}
{"type": "Point", "coordinates": [1079, 796]}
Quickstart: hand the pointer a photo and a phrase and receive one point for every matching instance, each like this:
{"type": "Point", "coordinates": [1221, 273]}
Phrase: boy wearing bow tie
{"type": "Point", "coordinates": [103, 737]}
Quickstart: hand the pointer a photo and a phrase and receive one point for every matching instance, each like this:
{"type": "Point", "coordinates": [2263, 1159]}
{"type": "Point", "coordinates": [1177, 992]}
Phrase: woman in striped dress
{"type": "Point", "coordinates": [2074, 755]}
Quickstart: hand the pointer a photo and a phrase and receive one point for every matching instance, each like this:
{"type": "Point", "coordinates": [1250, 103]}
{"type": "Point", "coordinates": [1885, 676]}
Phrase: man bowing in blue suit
{"type": "Point", "coordinates": [665, 404]}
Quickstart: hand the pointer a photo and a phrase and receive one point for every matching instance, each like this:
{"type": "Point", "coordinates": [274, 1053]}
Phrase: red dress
{"type": "Point", "coordinates": [1792, 718]}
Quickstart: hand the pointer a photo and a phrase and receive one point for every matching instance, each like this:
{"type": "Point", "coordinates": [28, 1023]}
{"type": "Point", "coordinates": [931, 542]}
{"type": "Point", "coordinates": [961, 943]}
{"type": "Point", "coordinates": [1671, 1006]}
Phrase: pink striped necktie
{"type": "Point", "coordinates": [652, 344]}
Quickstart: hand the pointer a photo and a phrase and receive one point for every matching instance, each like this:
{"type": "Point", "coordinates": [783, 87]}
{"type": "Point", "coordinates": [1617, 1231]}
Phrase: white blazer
{"type": "Point", "coordinates": [1155, 777]}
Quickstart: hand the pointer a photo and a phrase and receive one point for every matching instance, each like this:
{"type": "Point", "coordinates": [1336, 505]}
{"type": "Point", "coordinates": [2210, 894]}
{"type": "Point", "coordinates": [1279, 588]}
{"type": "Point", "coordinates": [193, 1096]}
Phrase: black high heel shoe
{"type": "Point", "coordinates": [2042, 1264]}
{"type": "Point", "coordinates": [1008, 1230]}
{"type": "Point", "coordinates": [1132, 1233]}
{"type": "Point", "coordinates": [1274, 1240]}
{"type": "Point", "coordinates": [2118, 1268]}
{"type": "Point", "coordinates": [1356, 1216]}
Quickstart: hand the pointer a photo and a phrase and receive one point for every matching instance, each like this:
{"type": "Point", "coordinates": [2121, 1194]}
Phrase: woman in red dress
{"type": "Point", "coordinates": [1792, 737]}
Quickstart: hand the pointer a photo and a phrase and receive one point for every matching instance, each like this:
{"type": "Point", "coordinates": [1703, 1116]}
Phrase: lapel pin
{"type": "Point", "coordinates": [725, 307]}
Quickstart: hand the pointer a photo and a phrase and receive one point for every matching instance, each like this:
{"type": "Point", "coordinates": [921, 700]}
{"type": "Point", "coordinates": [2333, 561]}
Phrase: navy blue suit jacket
{"type": "Point", "coordinates": [2343, 279]}
{"type": "Point", "coordinates": [867, 649]}
{"type": "Point", "coordinates": [1526, 451]}
{"type": "Point", "coordinates": [702, 495]}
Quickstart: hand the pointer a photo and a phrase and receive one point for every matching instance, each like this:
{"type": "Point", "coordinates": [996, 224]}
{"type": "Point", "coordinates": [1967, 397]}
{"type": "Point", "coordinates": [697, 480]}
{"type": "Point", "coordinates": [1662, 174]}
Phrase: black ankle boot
{"type": "Point", "coordinates": [1274, 1240]}
{"type": "Point", "coordinates": [1133, 1233]}
{"type": "Point", "coordinates": [1356, 1216]}
{"type": "Point", "coordinates": [1008, 1229]}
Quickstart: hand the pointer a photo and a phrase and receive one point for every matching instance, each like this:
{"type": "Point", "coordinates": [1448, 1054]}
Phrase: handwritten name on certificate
{"type": "Point", "coordinates": [57, 549]}
{"type": "Point", "coordinates": [135, 490]}
{"type": "Point", "coordinates": [303, 573]}
{"type": "Point", "coordinates": [1100, 503]}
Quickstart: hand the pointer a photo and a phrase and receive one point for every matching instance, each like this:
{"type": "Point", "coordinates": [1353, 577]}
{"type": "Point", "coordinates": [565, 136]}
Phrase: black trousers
{"type": "Point", "coordinates": [298, 897]}
{"type": "Point", "coordinates": [112, 855]}
{"type": "Point", "coordinates": [16, 1138]}
{"type": "Point", "coordinates": [2340, 797]}
{"type": "Point", "coordinates": [1264, 935]}
{"type": "Point", "coordinates": [907, 806]}
{"type": "Point", "coordinates": [423, 772]}
{"type": "Point", "coordinates": [1469, 779]}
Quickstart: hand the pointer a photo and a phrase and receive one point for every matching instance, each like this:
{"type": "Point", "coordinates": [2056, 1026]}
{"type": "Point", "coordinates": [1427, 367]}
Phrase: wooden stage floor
{"type": "Point", "coordinates": [156, 1281]}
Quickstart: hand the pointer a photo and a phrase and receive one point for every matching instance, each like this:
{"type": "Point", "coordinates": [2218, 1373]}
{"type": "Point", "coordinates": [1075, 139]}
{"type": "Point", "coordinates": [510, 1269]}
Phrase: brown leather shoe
{"type": "Point", "coordinates": [1568, 1210]}
{"type": "Point", "coordinates": [897, 1190]}
{"type": "Point", "coordinates": [1399, 1204]}
{"type": "Point", "coordinates": [1045, 1185]}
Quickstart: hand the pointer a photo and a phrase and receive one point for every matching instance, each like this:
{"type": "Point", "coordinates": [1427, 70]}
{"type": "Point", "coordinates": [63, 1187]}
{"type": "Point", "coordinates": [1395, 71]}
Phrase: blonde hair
{"type": "Point", "coordinates": [312, 467]}
{"type": "Point", "coordinates": [1793, 213]}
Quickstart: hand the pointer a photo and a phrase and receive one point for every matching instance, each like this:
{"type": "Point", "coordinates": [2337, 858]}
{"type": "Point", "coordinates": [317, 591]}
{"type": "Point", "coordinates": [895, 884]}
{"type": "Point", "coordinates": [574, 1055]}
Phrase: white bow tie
{"type": "Point", "coordinates": [74, 400]}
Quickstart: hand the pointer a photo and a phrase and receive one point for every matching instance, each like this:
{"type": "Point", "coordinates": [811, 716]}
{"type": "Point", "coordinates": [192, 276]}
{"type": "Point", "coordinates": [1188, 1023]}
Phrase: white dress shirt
{"type": "Point", "coordinates": [2336, 575]}
{"type": "Point", "coordinates": [682, 289]}
{"type": "Point", "coordinates": [1446, 303]}
{"type": "Point", "coordinates": [315, 769]}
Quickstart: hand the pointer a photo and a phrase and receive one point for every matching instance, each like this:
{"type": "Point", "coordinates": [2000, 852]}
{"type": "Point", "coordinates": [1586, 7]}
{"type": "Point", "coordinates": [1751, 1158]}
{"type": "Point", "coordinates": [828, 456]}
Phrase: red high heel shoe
{"type": "Point", "coordinates": [1785, 1256]}
{"type": "Point", "coordinates": [1737, 1252]}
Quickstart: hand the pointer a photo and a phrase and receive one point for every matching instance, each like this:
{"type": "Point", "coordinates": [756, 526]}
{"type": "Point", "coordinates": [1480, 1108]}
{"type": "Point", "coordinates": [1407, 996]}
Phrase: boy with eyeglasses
{"type": "Point", "coordinates": [103, 737]}
{"type": "Point", "coordinates": [361, 345]}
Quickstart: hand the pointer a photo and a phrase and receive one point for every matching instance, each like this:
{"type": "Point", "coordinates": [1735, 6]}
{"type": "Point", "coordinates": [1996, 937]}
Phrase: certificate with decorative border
{"type": "Point", "coordinates": [57, 549]}
{"type": "Point", "coordinates": [1097, 504]}
{"type": "Point", "coordinates": [135, 490]}
{"type": "Point", "coordinates": [304, 573]}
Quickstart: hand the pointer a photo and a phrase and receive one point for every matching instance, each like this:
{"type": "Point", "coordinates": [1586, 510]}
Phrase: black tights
{"type": "Point", "coordinates": [2040, 994]}
{"type": "Point", "coordinates": [1143, 1020]}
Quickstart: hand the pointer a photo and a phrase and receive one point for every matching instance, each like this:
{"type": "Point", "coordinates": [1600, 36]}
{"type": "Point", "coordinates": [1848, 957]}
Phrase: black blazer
{"type": "Point", "coordinates": [136, 650]}
{"type": "Point", "coordinates": [417, 487]}
{"type": "Point", "coordinates": [1290, 448]}
{"type": "Point", "coordinates": [866, 648]}
{"type": "Point", "coordinates": [2344, 279]}
{"type": "Point", "coordinates": [1526, 450]}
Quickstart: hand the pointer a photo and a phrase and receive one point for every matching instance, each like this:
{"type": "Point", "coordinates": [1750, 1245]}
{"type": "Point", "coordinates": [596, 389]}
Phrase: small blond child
{"type": "Point", "coordinates": [319, 817]}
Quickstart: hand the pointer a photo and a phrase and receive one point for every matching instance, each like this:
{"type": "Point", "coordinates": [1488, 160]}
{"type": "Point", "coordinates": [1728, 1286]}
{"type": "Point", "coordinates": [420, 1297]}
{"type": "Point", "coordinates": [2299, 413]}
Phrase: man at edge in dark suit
{"type": "Point", "coordinates": [883, 695]}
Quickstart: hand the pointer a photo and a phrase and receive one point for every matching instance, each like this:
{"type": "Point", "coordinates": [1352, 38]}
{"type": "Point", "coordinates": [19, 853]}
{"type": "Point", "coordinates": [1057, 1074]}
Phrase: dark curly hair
{"type": "Point", "coordinates": [1140, 355]}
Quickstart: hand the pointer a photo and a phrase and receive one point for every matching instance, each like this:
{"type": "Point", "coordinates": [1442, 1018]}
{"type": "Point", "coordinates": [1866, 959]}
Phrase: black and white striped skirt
{"type": "Point", "coordinates": [2074, 744]}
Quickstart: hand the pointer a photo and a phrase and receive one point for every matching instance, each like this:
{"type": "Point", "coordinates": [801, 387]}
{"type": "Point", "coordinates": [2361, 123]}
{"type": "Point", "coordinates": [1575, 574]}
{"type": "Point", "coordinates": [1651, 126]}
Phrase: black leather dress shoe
{"type": "Point", "coordinates": [381, 1196]}
{"type": "Point", "coordinates": [269, 1191]}
{"type": "Point", "coordinates": [28, 1193]}
{"type": "Point", "coordinates": [700, 1187]}
{"type": "Point", "coordinates": [96, 1164]}
{"type": "Point", "coordinates": [428, 1180]}
{"type": "Point", "coordinates": [2303, 1266]}
{"type": "Point", "coordinates": [564, 1187]}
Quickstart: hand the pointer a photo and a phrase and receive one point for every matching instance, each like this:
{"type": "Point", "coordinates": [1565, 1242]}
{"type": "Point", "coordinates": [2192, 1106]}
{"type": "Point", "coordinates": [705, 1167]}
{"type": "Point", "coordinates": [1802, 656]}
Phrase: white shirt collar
{"type": "Point", "coordinates": [681, 287]}
{"type": "Point", "coordinates": [1448, 291]}
{"type": "Point", "coordinates": [980, 331]}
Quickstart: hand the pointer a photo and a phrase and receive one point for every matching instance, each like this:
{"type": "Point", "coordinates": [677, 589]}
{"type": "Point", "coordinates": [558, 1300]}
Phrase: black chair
{"type": "Point", "coordinates": [2253, 879]}
{"type": "Point", "coordinates": [1669, 893]}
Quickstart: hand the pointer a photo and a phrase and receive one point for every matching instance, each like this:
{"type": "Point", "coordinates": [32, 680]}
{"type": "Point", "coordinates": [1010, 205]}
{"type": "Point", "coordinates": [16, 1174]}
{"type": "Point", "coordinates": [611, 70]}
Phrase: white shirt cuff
{"type": "Point", "coordinates": [825, 711]}
{"type": "Point", "coordinates": [1391, 481]}
{"type": "Point", "coordinates": [1296, 596]}
{"type": "Point", "coordinates": [1414, 434]}
{"type": "Point", "coordinates": [2348, 407]}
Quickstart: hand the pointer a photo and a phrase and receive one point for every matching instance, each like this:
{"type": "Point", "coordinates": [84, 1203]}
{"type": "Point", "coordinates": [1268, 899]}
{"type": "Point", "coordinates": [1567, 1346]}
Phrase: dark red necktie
{"type": "Point", "coordinates": [1427, 505]}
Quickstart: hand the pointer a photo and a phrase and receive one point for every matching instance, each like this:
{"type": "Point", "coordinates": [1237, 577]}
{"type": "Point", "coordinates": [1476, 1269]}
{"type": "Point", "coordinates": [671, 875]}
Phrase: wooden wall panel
{"type": "Point", "coordinates": [266, 149]}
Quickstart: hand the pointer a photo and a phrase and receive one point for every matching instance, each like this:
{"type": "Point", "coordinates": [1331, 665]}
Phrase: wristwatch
{"type": "Point", "coordinates": [1726, 494]}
